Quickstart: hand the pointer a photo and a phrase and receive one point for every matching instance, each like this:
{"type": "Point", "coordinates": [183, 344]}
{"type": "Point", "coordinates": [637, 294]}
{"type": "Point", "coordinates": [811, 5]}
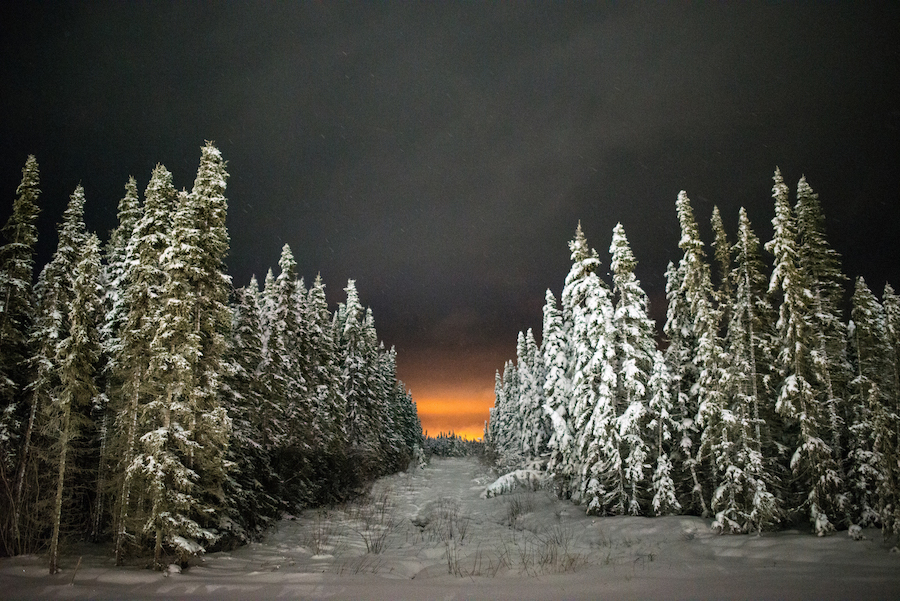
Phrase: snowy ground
{"type": "Point", "coordinates": [429, 535]}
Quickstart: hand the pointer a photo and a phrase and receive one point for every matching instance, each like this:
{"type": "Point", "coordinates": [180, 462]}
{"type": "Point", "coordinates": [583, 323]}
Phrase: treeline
{"type": "Point", "coordinates": [148, 403]}
{"type": "Point", "coordinates": [765, 406]}
{"type": "Point", "coordinates": [451, 445]}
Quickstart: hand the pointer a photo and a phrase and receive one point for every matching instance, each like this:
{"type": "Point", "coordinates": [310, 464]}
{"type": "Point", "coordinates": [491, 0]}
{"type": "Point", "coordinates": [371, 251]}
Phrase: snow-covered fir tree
{"type": "Point", "coordinates": [588, 300]}
{"type": "Point", "coordinates": [747, 491]}
{"type": "Point", "coordinates": [635, 351]}
{"type": "Point", "coordinates": [69, 411]}
{"type": "Point", "coordinates": [212, 321]}
{"type": "Point", "coordinates": [700, 395]}
{"type": "Point", "coordinates": [251, 508]}
{"type": "Point", "coordinates": [874, 473]}
{"type": "Point", "coordinates": [140, 292]}
{"type": "Point", "coordinates": [662, 433]}
{"type": "Point", "coordinates": [329, 404]}
{"type": "Point", "coordinates": [17, 315]}
{"type": "Point", "coordinates": [817, 486]}
{"type": "Point", "coordinates": [821, 265]}
{"type": "Point", "coordinates": [55, 298]}
{"type": "Point", "coordinates": [113, 276]}
{"type": "Point", "coordinates": [891, 303]}
{"type": "Point", "coordinates": [17, 311]}
{"type": "Point", "coordinates": [531, 372]}
{"type": "Point", "coordinates": [170, 454]}
{"type": "Point", "coordinates": [555, 353]}
{"type": "Point", "coordinates": [507, 437]}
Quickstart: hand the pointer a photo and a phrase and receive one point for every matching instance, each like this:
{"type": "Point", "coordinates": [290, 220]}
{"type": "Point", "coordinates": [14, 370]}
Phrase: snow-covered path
{"type": "Point", "coordinates": [428, 534]}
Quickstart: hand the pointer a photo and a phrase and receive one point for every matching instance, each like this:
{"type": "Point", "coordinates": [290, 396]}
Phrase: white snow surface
{"type": "Point", "coordinates": [428, 534]}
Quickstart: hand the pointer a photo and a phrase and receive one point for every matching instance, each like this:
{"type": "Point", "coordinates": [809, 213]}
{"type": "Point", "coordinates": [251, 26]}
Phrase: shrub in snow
{"type": "Point", "coordinates": [527, 479]}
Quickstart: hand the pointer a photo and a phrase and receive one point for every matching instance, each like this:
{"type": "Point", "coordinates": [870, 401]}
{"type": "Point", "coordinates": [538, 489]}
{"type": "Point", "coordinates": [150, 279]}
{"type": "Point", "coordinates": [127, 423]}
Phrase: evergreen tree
{"type": "Point", "coordinates": [662, 427]}
{"type": "Point", "coordinates": [701, 372]}
{"type": "Point", "coordinates": [874, 473]}
{"type": "Point", "coordinates": [635, 351]}
{"type": "Point", "coordinates": [722, 253]}
{"type": "Point", "coordinates": [114, 275]}
{"type": "Point", "coordinates": [55, 297]}
{"type": "Point", "coordinates": [891, 303]}
{"type": "Point", "coordinates": [211, 314]}
{"type": "Point", "coordinates": [251, 508]}
{"type": "Point", "coordinates": [555, 354]}
{"type": "Point", "coordinates": [682, 374]}
{"type": "Point", "coordinates": [817, 484]}
{"type": "Point", "coordinates": [826, 283]}
{"type": "Point", "coordinates": [530, 367]}
{"type": "Point", "coordinates": [588, 302]}
{"type": "Point", "coordinates": [509, 429]}
{"type": "Point", "coordinates": [166, 429]}
{"type": "Point", "coordinates": [17, 315]}
{"type": "Point", "coordinates": [329, 406]}
{"type": "Point", "coordinates": [16, 309]}
{"type": "Point", "coordinates": [70, 408]}
{"type": "Point", "coordinates": [142, 282]}
{"type": "Point", "coordinates": [186, 429]}
{"type": "Point", "coordinates": [746, 494]}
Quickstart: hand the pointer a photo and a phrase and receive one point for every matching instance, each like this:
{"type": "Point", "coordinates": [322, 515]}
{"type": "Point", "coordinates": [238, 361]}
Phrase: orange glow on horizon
{"type": "Point", "coordinates": [453, 388]}
{"type": "Point", "coordinates": [462, 414]}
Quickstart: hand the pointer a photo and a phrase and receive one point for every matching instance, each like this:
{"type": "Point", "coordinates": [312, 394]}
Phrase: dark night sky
{"type": "Point", "coordinates": [442, 153]}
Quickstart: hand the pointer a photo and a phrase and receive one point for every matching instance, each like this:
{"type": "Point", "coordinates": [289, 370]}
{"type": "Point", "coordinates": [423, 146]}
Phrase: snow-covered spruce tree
{"type": "Point", "coordinates": [747, 491]}
{"type": "Point", "coordinates": [291, 459]}
{"type": "Point", "coordinates": [555, 354]}
{"type": "Point", "coordinates": [490, 426]}
{"type": "Point", "coordinates": [508, 433]}
{"type": "Point", "coordinates": [530, 367]}
{"type": "Point", "coordinates": [377, 430]}
{"type": "Point", "coordinates": [271, 370]}
{"type": "Point", "coordinates": [355, 351]}
{"type": "Point", "coordinates": [17, 308]}
{"type": "Point", "coordinates": [891, 303]}
{"type": "Point", "coordinates": [395, 451]}
{"type": "Point", "coordinates": [140, 298]}
{"type": "Point", "coordinates": [329, 405]}
{"type": "Point", "coordinates": [682, 373]}
{"type": "Point", "coordinates": [827, 284]}
{"type": "Point", "coordinates": [212, 320]}
{"type": "Point", "coordinates": [250, 506]}
{"type": "Point", "coordinates": [635, 351]}
{"type": "Point", "coordinates": [662, 430]}
{"type": "Point", "coordinates": [722, 252]}
{"type": "Point", "coordinates": [702, 370]}
{"type": "Point", "coordinates": [874, 473]}
{"type": "Point", "coordinates": [55, 297]}
{"type": "Point", "coordinates": [171, 456]}
{"type": "Point", "coordinates": [817, 488]}
{"type": "Point", "coordinates": [17, 315]}
{"type": "Point", "coordinates": [69, 423]}
{"type": "Point", "coordinates": [588, 300]}
{"type": "Point", "coordinates": [113, 276]}
{"type": "Point", "coordinates": [289, 289]}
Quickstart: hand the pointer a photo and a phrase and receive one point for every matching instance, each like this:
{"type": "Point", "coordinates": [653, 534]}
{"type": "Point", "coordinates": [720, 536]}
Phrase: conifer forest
{"type": "Point", "coordinates": [148, 403]}
{"type": "Point", "coordinates": [772, 399]}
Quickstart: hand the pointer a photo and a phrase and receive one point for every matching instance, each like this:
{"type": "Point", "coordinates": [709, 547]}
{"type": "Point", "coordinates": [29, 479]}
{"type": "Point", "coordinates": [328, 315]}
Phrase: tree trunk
{"type": "Point", "coordinates": [20, 475]}
{"type": "Point", "coordinates": [126, 480]}
{"type": "Point", "coordinates": [60, 482]}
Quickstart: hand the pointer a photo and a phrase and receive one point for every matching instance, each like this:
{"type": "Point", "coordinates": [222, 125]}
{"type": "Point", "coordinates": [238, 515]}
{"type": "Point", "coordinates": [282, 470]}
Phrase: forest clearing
{"type": "Point", "coordinates": [429, 533]}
